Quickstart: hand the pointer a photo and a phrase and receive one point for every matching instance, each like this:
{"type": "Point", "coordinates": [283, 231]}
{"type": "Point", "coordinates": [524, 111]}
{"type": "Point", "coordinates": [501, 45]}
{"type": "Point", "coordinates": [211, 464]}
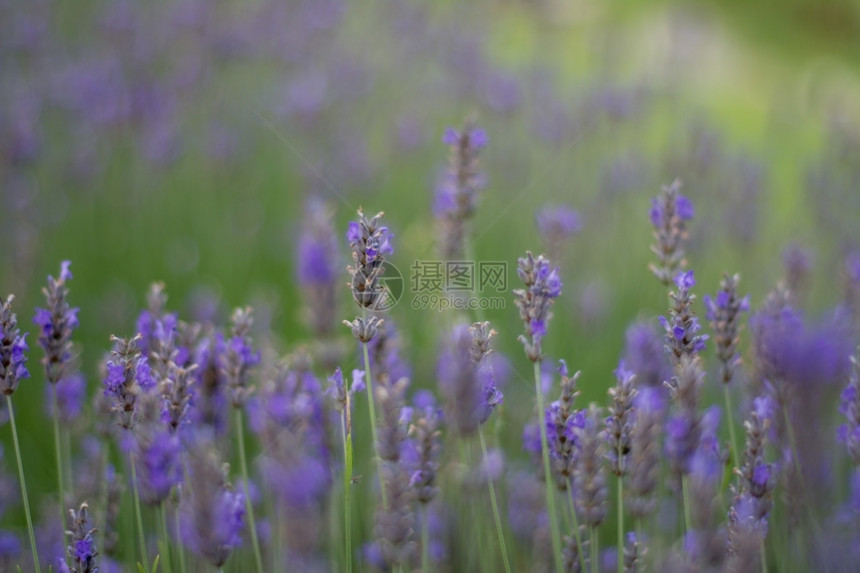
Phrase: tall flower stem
{"type": "Point", "coordinates": [425, 539]}
{"type": "Point", "coordinates": [576, 534]}
{"type": "Point", "coordinates": [368, 380]}
{"type": "Point", "coordinates": [249, 507]}
{"type": "Point", "coordinates": [731, 423]}
{"type": "Point", "coordinates": [23, 484]}
{"type": "Point", "coordinates": [495, 505]}
{"type": "Point", "coordinates": [685, 491]}
{"type": "Point", "coordinates": [347, 486]}
{"type": "Point", "coordinates": [138, 516]}
{"type": "Point", "coordinates": [620, 520]}
{"type": "Point", "coordinates": [594, 552]}
{"type": "Point", "coordinates": [58, 454]}
{"type": "Point", "coordinates": [183, 568]}
{"type": "Point", "coordinates": [550, 502]}
{"type": "Point", "coordinates": [165, 540]}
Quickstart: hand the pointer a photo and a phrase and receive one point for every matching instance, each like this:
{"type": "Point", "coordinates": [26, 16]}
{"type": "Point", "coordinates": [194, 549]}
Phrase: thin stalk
{"type": "Point", "coordinates": [138, 516]}
{"type": "Point", "coordinates": [576, 534]}
{"type": "Point", "coordinates": [730, 419]}
{"type": "Point", "coordinates": [763, 556]}
{"type": "Point", "coordinates": [59, 456]}
{"type": "Point", "coordinates": [620, 523]}
{"type": "Point", "coordinates": [183, 568]}
{"type": "Point", "coordinates": [165, 540]}
{"type": "Point", "coordinates": [368, 381]}
{"type": "Point", "coordinates": [595, 551]}
{"type": "Point", "coordinates": [347, 486]}
{"type": "Point", "coordinates": [425, 539]}
{"type": "Point", "coordinates": [249, 507]}
{"type": "Point", "coordinates": [550, 505]}
{"type": "Point", "coordinates": [495, 505]}
{"type": "Point", "coordinates": [23, 483]}
{"type": "Point", "coordinates": [685, 489]}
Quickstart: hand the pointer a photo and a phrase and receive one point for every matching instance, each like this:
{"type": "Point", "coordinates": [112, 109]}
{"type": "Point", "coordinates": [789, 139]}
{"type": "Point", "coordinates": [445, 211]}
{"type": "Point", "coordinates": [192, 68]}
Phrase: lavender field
{"type": "Point", "coordinates": [498, 286]}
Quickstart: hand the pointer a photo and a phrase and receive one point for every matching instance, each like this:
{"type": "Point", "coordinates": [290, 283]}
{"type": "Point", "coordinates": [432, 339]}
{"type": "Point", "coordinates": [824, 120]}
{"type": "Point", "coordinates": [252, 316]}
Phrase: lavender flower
{"type": "Point", "coordinates": [82, 547]}
{"type": "Point", "coordinates": [683, 428]}
{"type": "Point", "coordinates": [669, 213]}
{"type": "Point", "coordinates": [239, 357]}
{"type": "Point", "coordinates": [159, 466]}
{"type": "Point", "coordinates": [176, 396]}
{"type": "Point", "coordinates": [128, 374]}
{"type": "Point", "coordinates": [425, 435]}
{"type": "Point", "coordinates": [210, 385]}
{"type": "Point", "coordinates": [757, 477]}
{"type": "Point", "coordinates": [13, 347]}
{"type": "Point", "coordinates": [457, 192]}
{"type": "Point", "coordinates": [562, 424]}
{"type": "Point", "coordinates": [849, 406]}
{"type": "Point", "coordinates": [71, 392]}
{"type": "Point", "coordinates": [156, 301]}
{"type": "Point", "coordinates": [393, 424]}
{"type": "Point", "coordinates": [619, 423]}
{"type": "Point", "coordinates": [465, 379]}
{"type": "Point", "coordinates": [645, 356]}
{"type": "Point", "coordinates": [589, 475]}
{"type": "Point", "coordinates": [395, 522]}
{"type": "Point", "coordinates": [543, 286]}
{"type": "Point", "coordinates": [557, 224]}
{"type": "Point", "coordinates": [212, 515]}
{"type": "Point", "coordinates": [370, 243]}
{"type": "Point", "coordinates": [644, 468]}
{"type": "Point", "coordinates": [386, 361]}
{"type": "Point", "coordinates": [56, 323]}
{"type": "Point", "coordinates": [682, 326]}
{"type": "Point", "coordinates": [633, 553]}
{"type": "Point", "coordinates": [724, 313]}
{"type": "Point", "coordinates": [317, 267]}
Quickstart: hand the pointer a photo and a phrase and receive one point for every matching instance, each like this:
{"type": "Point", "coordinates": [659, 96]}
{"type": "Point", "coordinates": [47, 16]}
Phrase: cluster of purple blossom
{"type": "Point", "coordinates": [168, 391]}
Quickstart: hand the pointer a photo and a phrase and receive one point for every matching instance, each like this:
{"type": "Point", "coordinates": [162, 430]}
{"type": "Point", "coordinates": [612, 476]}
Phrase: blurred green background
{"type": "Point", "coordinates": [179, 141]}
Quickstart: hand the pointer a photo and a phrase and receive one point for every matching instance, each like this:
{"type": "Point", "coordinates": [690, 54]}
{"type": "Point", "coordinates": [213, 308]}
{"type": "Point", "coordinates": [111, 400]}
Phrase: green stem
{"type": "Point", "coordinates": [164, 541]}
{"type": "Point", "coordinates": [347, 486]}
{"type": "Point", "coordinates": [550, 504]}
{"type": "Point", "coordinates": [425, 539]}
{"type": "Point", "coordinates": [249, 507]}
{"type": "Point", "coordinates": [731, 423]}
{"type": "Point", "coordinates": [685, 490]}
{"type": "Point", "coordinates": [368, 380]}
{"type": "Point", "coordinates": [183, 568]}
{"type": "Point", "coordinates": [595, 551]}
{"type": "Point", "coordinates": [23, 483]}
{"type": "Point", "coordinates": [577, 536]}
{"type": "Point", "coordinates": [138, 516]}
{"type": "Point", "coordinates": [59, 456]}
{"type": "Point", "coordinates": [495, 505]}
{"type": "Point", "coordinates": [763, 557]}
{"type": "Point", "coordinates": [620, 522]}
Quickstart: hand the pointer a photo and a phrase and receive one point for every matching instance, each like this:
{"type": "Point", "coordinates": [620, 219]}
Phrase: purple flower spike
{"type": "Point", "coordinates": [682, 326]}
{"type": "Point", "coordinates": [466, 377]}
{"type": "Point", "coordinates": [724, 312]}
{"type": "Point", "coordinates": [370, 243]}
{"type": "Point", "coordinates": [669, 213]}
{"type": "Point", "coordinates": [122, 383]}
{"type": "Point", "coordinates": [56, 323]}
{"type": "Point", "coordinates": [543, 285]}
{"type": "Point", "coordinates": [82, 548]}
{"type": "Point", "coordinates": [849, 406]}
{"type": "Point", "coordinates": [13, 349]}
{"type": "Point", "coordinates": [459, 188]}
